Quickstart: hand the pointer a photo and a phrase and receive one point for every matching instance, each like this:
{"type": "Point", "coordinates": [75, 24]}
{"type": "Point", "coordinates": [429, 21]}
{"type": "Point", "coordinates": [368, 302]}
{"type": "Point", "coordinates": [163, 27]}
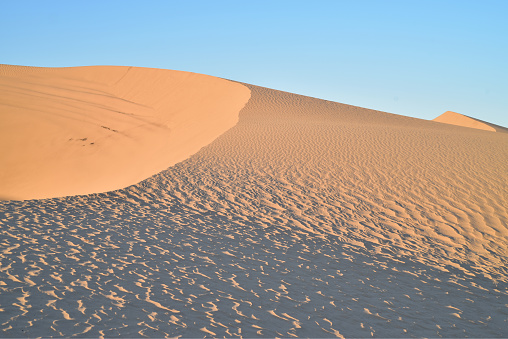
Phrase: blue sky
{"type": "Point", "coordinates": [416, 58]}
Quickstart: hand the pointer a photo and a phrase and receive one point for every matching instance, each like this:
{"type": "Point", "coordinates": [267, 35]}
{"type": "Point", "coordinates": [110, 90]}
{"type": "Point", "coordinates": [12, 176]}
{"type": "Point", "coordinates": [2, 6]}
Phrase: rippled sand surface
{"type": "Point", "coordinates": [308, 218]}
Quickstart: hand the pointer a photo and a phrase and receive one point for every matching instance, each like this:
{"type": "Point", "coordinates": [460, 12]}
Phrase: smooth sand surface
{"type": "Point", "coordinates": [308, 218]}
{"type": "Point", "coordinates": [458, 119]}
{"type": "Point", "coordinates": [80, 130]}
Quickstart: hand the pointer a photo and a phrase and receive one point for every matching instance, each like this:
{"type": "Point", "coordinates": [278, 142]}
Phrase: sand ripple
{"type": "Point", "coordinates": [309, 218]}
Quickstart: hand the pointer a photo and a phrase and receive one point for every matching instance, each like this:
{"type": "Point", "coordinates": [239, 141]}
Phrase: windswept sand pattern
{"type": "Point", "coordinates": [308, 218]}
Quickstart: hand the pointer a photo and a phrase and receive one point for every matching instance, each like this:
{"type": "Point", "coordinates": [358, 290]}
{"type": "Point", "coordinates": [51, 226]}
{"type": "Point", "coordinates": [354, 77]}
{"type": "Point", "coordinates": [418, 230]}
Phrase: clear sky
{"type": "Point", "coordinates": [416, 58]}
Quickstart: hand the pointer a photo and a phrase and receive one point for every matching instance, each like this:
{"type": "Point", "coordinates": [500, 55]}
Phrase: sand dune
{"type": "Point", "coordinates": [308, 218]}
{"type": "Point", "coordinates": [458, 119]}
{"type": "Point", "coordinates": [81, 130]}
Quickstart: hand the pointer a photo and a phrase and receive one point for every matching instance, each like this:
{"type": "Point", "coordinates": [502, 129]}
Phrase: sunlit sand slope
{"type": "Point", "coordinates": [308, 218]}
{"type": "Point", "coordinates": [453, 118]}
{"type": "Point", "coordinates": [68, 131]}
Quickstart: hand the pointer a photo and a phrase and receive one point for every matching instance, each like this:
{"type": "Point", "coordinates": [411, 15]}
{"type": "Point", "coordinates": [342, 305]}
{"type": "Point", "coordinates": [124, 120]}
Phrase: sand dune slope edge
{"type": "Point", "coordinates": [458, 119]}
{"type": "Point", "coordinates": [81, 130]}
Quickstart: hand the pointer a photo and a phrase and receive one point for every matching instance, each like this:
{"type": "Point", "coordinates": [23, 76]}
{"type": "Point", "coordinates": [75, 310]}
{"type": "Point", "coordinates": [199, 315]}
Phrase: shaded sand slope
{"type": "Point", "coordinates": [458, 119]}
{"type": "Point", "coordinates": [79, 130]}
{"type": "Point", "coordinates": [308, 218]}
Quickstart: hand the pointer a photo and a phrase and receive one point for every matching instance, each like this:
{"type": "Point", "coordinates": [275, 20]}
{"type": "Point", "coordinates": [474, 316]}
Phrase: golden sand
{"type": "Point", "coordinates": [306, 218]}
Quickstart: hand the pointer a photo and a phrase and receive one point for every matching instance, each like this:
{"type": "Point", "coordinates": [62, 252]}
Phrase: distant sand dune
{"type": "Point", "coordinates": [308, 218]}
{"type": "Point", "coordinates": [458, 119]}
{"type": "Point", "coordinates": [80, 130]}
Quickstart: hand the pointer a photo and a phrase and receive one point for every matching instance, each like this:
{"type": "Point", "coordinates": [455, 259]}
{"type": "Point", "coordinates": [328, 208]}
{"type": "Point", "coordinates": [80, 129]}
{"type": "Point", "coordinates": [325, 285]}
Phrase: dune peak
{"type": "Point", "coordinates": [458, 119]}
{"type": "Point", "coordinates": [81, 130]}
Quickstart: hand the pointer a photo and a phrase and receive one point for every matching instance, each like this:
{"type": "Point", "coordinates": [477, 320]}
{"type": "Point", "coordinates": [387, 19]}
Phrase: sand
{"type": "Point", "coordinates": [465, 121]}
{"type": "Point", "coordinates": [308, 218]}
{"type": "Point", "coordinates": [70, 131]}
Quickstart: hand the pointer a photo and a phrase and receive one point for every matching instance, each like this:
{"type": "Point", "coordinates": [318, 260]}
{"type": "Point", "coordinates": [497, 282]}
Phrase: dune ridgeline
{"type": "Point", "coordinates": [80, 130]}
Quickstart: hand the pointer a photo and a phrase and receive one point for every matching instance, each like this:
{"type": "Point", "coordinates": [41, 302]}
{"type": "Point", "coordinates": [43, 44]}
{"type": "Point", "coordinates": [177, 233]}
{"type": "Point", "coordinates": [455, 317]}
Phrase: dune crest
{"type": "Point", "coordinates": [81, 130]}
{"type": "Point", "coordinates": [458, 119]}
